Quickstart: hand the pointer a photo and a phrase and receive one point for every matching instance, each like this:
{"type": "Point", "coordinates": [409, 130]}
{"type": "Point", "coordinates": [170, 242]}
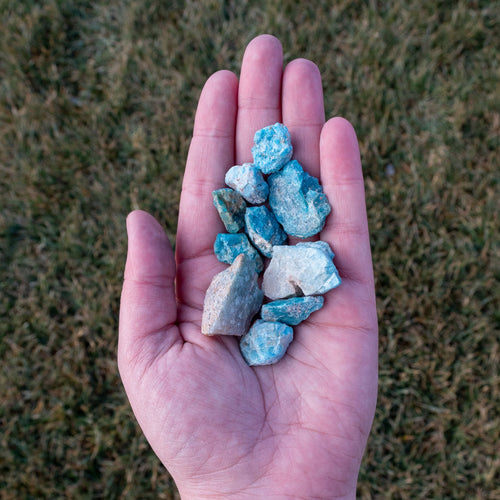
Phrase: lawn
{"type": "Point", "coordinates": [97, 101]}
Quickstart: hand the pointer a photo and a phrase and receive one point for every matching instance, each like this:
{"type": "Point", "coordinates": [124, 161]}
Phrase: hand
{"type": "Point", "coordinates": [296, 429]}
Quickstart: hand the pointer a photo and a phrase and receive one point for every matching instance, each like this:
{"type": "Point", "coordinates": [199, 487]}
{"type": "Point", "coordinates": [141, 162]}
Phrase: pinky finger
{"type": "Point", "coordinates": [342, 178]}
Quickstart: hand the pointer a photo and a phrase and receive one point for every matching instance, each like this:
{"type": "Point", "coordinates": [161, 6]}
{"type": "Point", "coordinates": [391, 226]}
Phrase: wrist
{"type": "Point", "coordinates": [279, 492]}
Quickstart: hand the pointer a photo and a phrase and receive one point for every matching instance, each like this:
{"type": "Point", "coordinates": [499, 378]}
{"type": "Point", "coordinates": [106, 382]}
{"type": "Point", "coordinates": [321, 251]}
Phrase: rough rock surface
{"type": "Point", "coordinates": [231, 207]}
{"type": "Point", "coordinates": [297, 275]}
{"type": "Point", "coordinates": [263, 229]}
{"type": "Point", "coordinates": [247, 180]}
{"type": "Point", "coordinates": [298, 201]}
{"type": "Point", "coordinates": [266, 342]}
{"type": "Point", "coordinates": [232, 299]}
{"type": "Point", "coordinates": [291, 311]}
{"type": "Point", "coordinates": [302, 269]}
{"type": "Point", "coordinates": [228, 246]}
{"type": "Point", "coordinates": [273, 148]}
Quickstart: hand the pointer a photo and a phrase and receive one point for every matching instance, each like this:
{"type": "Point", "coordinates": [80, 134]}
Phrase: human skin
{"type": "Point", "coordinates": [296, 429]}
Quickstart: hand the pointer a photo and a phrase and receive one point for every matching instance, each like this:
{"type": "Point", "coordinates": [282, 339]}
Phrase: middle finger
{"type": "Point", "coordinates": [259, 92]}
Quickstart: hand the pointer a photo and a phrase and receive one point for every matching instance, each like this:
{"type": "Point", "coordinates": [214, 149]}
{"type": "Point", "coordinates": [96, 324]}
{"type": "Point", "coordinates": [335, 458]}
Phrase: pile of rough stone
{"type": "Point", "coordinates": [296, 276]}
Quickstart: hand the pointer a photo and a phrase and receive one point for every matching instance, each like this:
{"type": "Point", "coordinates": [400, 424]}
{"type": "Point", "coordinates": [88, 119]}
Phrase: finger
{"type": "Point", "coordinates": [346, 227]}
{"type": "Point", "coordinates": [259, 94]}
{"type": "Point", "coordinates": [303, 111]}
{"type": "Point", "coordinates": [211, 153]}
{"type": "Point", "coordinates": [148, 306]}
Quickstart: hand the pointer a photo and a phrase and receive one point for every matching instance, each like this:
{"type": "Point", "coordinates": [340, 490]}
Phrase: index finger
{"type": "Point", "coordinates": [211, 153]}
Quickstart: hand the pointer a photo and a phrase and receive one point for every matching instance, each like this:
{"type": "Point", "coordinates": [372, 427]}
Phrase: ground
{"type": "Point", "coordinates": [97, 101]}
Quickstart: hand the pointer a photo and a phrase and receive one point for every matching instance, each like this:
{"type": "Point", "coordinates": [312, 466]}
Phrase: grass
{"type": "Point", "coordinates": [96, 107]}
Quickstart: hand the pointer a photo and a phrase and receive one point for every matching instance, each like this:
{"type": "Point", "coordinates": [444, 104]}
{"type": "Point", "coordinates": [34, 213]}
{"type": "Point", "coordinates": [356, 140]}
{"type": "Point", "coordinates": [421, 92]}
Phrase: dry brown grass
{"type": "Point", "coordinates": [96, 108]}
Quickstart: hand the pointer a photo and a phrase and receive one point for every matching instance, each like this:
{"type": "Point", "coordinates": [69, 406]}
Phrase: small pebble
{"type": "Point", "coordinates": [296, 276]}
{"type": "Point", "coordinates": [291, 311]}
{"type": "Point", "coordinates": [266, 342]}
{"type": "Point", "coordinates": [228, 246]}
{"type": "Point", "coordinates": [301, 269]}
{"type": "Point", "coordinates": [231, 207]}
{"type": "Point", "coordinates": [298, 201]}
{"type": "Point", "coordinates": [263, 229]}
{"type": "Point", "coordinates": [273, 148]}
{"type": "Point", "coordinates": [247, 180]}
{"type": "Point", "coordinates": [232, 299]}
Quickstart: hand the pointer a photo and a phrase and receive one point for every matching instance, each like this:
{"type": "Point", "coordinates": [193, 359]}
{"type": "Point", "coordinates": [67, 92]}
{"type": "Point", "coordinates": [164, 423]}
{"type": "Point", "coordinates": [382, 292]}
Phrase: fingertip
{"type": "Point", "coordinates": [149, 251]}
{"type": "Point", "coordinates": [303, 95]}
{"type": "Point", "coordinates": [142, 224]}
{"type": "Point", "coordinates": [263, 54]}
{"type": "Point", "coordinates": [340, 130]}
{"type": "Point", "coordinates": [264, 40]}
{"type": "Point", "coordinates": [223, 78]}
{"type": "Point", "coordinates": [340, 157]}
{"type": "Point", "coordinates": [216, 113]}
{"type": "Point", "coordinates": [303, 67]}
{"type": "Point", "coordinates": [137, 215]}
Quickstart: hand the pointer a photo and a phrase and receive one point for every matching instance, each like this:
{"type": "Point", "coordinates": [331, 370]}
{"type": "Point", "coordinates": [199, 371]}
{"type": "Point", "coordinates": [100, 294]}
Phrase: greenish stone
{"type": "Point", "coordinates": [266, 342]}
{"type": "Point", "coordinates": [263, 229]}
{"type": "Point", "coordinates": [228, 246]}
{"type": "Point", "coordinates": [231, 207]}
{"type": "Point", "coordinates": [298, 201]}
{"type": "Point", "coordinates": [291, 311]}
{"type": "Point", "coordinates": [273, 148]}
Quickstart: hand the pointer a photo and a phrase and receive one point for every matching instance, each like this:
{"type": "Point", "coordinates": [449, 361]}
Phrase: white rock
{"type": "Point", "coordinates": [302, 269]}
{"type": "Point", "coordinates": [232, 299]}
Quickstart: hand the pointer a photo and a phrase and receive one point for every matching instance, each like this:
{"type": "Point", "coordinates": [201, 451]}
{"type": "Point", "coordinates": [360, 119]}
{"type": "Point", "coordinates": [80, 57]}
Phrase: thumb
{"type": "Point", "coordinates": [148, 306]}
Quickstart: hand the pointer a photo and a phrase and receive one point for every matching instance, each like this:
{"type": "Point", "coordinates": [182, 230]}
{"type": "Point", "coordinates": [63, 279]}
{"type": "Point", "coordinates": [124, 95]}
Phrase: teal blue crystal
{"type": "Point", "coordinates": [228, 246]}
{"type": "Point", "coordinates": [302, 269]}
{"type": "Point", "coordinates": [266, 342]}
{"type": "Point", "coordinates": [298, 201]}
{"type": "Point", "coordinates": [232, 299]}
{"type": "Point", "coordinates": [263, 229]}
{"type": "Point", "coordinates": [231, 207]}
{"type": "Point", "coordinates": [283, 200]}
{"type": "Point", "coordinates": [291, 311]}
{"type": "Point", "coordinates": [273, 148]}
{"type": "Point", "coordinates": [248, 181]}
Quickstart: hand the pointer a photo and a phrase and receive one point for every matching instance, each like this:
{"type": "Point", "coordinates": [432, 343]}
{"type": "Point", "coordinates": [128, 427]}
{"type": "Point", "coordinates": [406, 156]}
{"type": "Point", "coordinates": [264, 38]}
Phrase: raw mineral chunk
{"type": "Point", "coordinates": [273, 148]}
{"type": "Point", "coordinates": [298, 201]}
{"type": "Point", "coordinates": [263, 229]}
{"type": "Point", "coordinates": [231, 207]}
{"type": "Point", "coordinates": [291, 311]}
{"type": "Point", "coordinates": [266, 342]}
{"type": "Point", "coordinates": [302, 269]}
{"type": "Point", "coordinates": [228, 246]}
{"type": "Point", "coordinates": [247, 180]}
{"type": "Point", "coordinates": [232, 299]}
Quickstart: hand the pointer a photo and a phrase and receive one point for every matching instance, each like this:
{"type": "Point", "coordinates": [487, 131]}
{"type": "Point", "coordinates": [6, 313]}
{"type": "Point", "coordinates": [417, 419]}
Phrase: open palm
{"type": "Point", "coordinates": [296, 429]}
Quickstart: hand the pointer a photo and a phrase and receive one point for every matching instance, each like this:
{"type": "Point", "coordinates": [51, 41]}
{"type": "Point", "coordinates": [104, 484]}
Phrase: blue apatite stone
{"type": "Point", "coordinates": [263, 229]}
{"type": "Point", "coordinates": [273, 148]}
{"type": "Point", "coordinates": [231, 207]}
{"type": "Point", "coordinates": [232, 299]}
{"type": "Point", "coordinates": [228, 246]}
{"type": "Point", "coordinates": [247, 180]}
{"type": "Point", "coordinates": [302, 269]}
{"type": "Point", "coordinates": [266, 342]}
{"type": "Point", "coordinates": [298, 201]}
{"type": "Point", "coordinates": [291, 311]}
